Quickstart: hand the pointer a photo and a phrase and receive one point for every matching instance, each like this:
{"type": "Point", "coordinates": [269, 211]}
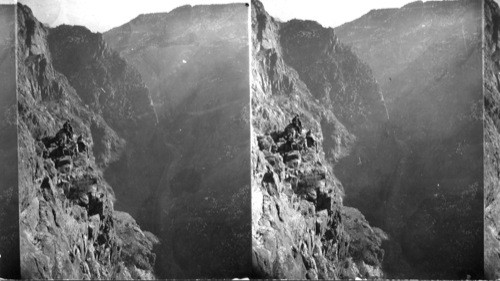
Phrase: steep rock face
{"type": "Point", "coordinates": [102, 79]}
{"type": "Point", "coordinates": [318, 57]}
{"type": "Point", "coordinates": [113, 89]}
{"type": "Point", "coordinates": [195, 61]}
{"type": "Point", "coordinates": [9, 214]}
{"type": "Point", "coordinates": [337, 78]}
{"type": "Point", "coordinates": [491, 140]}
{"type": "Point", "coordinates": [427, 58]}
{"type": "Point", "coordinates": [68, 225]}
{"type": "Point", "coordinates": [300, 227]}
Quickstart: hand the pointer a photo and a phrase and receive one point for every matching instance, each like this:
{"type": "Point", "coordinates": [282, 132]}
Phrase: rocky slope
{"type": "Point", "coordinates": [9, 214]}
{"type": "Point", "coordinates": [68, 225]}
{"type": "Point", "coordinates": [427, 58]}
{"type": "Point", "coordinates": [301, 229]}
{"type": "Point", "coordinates": [491, 140]}
{"type": "Point", "coordinates": [195, 61]}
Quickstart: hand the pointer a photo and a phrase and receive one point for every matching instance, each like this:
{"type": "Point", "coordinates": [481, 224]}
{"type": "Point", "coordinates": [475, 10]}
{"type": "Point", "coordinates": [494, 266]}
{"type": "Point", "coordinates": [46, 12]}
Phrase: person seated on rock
{"type": "Point", "coordinates": [297, 123]}
{"type": "Point", "coordinates": [63, 135]}
{"type": "Point", "coordinates": [288, 146]}
{"type": "Point", "coordinates": [290, 132]}
{"type": "Point", "coordinates": [68, 129]}
{"type": "Point", "coordinates": [61, 138]}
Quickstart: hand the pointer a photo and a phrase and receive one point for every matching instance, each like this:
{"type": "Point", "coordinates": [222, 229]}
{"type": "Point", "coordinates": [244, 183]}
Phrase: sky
{"type": "Point", "coordinates": [102, 15]}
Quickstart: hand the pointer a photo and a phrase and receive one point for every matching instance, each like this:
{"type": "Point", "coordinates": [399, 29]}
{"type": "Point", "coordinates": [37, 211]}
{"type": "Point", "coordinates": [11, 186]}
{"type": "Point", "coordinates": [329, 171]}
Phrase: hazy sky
{"type": "Point", "coordinates": [102, 15]}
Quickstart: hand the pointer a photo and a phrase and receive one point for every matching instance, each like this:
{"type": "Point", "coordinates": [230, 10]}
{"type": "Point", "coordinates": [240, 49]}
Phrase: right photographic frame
{"type": "Point", "coordinates": [372, 153]}
{"type": "Point", "coordinates": [491, 140]}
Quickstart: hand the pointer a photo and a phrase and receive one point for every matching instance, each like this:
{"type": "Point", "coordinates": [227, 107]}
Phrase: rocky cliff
{"type": "Point", "coordinates": [301, 228]}
{"type": "Point", "coordinates": [68, 225]}
{"type": "Point", "coordinates": [427, 58]}
{"type": "Point", "coordinates": [113, 89]}
{"type": "Point", "coordinates": [491, 139]}
{"type": "Point", "coordinates": [194, 60]}
{"type": "Point", "coordinates": [9, 214]}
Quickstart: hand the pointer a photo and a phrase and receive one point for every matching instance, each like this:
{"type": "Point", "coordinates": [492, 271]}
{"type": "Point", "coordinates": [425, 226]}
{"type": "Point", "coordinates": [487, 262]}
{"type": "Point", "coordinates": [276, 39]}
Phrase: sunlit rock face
{"type": "Point", "coordinates": [300, 226]}
{"type": "Point", "coordinates": [194, 61]}
{"type": "Point", "coordinates": [426, 56]}
{"type": "Point", "coordinates": [69, 228]}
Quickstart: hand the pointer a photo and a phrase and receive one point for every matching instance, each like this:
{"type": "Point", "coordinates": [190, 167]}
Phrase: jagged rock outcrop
{"type": "Point", "coordinates": [68, 226]}
{"type": "Point", "coordinates": [427, 58]}
{"type": "Point", "coordinates": [301, 229]}
{"type": "Point", "coordinates": [491, 82]}
{"type": "Point", "coordinates": [9, 214]}
{"type": "Point", "coordinates": [194, 60]}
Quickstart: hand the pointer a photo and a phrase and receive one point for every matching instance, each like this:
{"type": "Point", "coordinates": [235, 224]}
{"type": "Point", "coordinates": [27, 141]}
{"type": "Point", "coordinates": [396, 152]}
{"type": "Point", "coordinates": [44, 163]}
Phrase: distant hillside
{"type": "Point", "coordinates": [194, 60]}
{"type": "Point", "coordinates": [426, 57]}
{"type": "Point", "coordinates": [389, 39]}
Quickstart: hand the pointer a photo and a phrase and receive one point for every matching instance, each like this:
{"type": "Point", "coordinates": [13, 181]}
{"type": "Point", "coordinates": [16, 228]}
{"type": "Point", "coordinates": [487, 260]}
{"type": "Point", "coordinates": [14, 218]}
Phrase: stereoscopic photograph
{"type": "Point", "coordinates": [133, 141]}
{"type": "Point", "coordinates": [260, 139]}
{"type": "Point", "coordinates": [367, 144]}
